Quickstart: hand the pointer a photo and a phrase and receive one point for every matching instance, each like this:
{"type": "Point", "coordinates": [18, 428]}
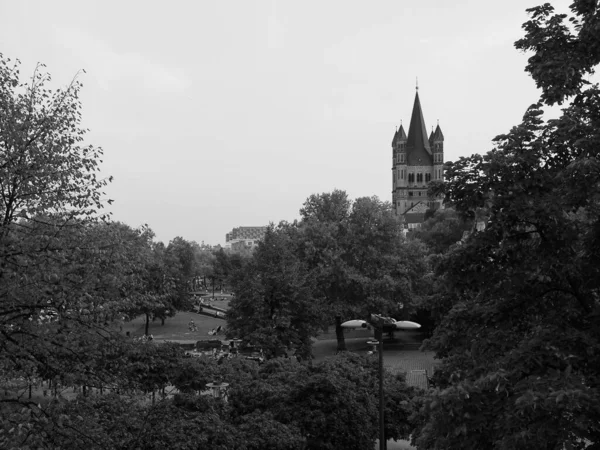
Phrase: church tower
{"type": "Point", "coordinates": [417, 160]}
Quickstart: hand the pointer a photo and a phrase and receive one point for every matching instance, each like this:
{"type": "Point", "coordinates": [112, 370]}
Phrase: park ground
{"type": "Point", "coordinates": [401, 354]}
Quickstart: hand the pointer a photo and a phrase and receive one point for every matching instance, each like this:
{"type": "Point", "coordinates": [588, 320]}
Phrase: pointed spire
{"type": "Point", "coordinates": [438, 135]}
{"type": "Point", "coordinates": [418, 143]}
{"type": "Point", "coordinates": [401, 133]}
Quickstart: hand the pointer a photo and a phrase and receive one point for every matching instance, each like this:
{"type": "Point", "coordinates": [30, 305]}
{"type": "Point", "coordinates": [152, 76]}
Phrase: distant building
{"type": "Point", "coordinates": [417, 160]}
{"type": "Point", "coordinates": [415, 215]}
{"type": "Point", "coordinates": [244, 237]}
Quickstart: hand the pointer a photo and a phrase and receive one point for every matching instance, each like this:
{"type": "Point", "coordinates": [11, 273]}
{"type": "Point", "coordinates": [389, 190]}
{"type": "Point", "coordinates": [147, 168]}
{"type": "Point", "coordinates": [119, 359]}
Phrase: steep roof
{"type": "Point", "coordinates": [438, 135]}
{"type": "Point", "coordinates": [399, 135]}
{"type": "Point", "coordinates": [417, 147]}
{"type": "Point", "coordinates": [416, 213]}
{"type": "Point", "coordinates": [418, 208]}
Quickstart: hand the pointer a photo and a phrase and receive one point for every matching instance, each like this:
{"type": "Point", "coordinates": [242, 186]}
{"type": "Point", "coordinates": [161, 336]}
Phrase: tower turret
{"type": "Point", "coordinates": [398, 164]}
{"type": "Point", "coordinates": [438, 154]}
{"type": "Point", "coordinates": [417, 160]}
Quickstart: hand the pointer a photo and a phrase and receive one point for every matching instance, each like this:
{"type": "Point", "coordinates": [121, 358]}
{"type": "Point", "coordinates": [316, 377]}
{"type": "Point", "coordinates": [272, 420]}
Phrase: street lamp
{"type": "Point", "coordinates": [381, 323]}
{"type": "Point", "coordinates": [375, 344]}
{"type": "Point", "coordinates": [378, 322]}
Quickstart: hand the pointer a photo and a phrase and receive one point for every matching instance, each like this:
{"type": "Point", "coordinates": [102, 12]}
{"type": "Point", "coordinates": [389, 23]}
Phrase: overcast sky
{"type": "Point", "coordinates": [218, 114]}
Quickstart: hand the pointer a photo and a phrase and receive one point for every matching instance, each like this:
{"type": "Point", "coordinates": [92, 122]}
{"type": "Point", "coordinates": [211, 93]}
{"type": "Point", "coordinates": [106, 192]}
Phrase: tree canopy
{"type": "Point", "coordinates": [274, 304]}
{"type": "Point", "coordinates": [442, 230]}
{"type": "Point", "coordinates": [359, 258]}
{"type": "Point", "coordinates": [520, 337]}
{"type": "Point", "coordinates": [281, 404]}
{"type": "Point", "coordinates": [51, 283]}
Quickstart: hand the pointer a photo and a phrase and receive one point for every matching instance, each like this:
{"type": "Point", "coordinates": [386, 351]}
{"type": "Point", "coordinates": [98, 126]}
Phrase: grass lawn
{"type": "Point", "coordinates": [176, 328]}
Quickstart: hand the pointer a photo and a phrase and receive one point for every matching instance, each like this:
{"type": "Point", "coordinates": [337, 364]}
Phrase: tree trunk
{"type": "Point", "coordinates": [147, 324]}
{"type": "Point", "coordinates": [339, 334]}
{"type": "Point", "coordinates": [162, 321]}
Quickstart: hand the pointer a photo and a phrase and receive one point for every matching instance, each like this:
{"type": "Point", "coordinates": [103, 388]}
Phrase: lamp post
{"type": "Point", "coordinates": [379, 323]}
{"type": "Point", "coordinates": [378, 349]}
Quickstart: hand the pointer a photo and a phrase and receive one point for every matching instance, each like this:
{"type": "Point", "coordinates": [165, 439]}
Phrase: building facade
{"type": "Point", "coordinates": [244, 237]}
{"type": "Point", "coordinates": [417, 160]}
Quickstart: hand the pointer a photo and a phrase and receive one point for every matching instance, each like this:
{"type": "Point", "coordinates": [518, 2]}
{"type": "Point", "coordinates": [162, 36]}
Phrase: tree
{"type": "Point", "coordinates": [58, 274]}
{"type": "Point", "coordinates": [563, 54]}
{"type": "Point", "coordinates": [273, 306]}
{"type": "Point", "coordinates": [358, 257]}
{"type": "Point", "coordinates": [44, 167]}
{"type": "Point", "coordinates": [50, 197]}
{"type": "Point", "coordinates": [442, 230]}
{"type": "Point", "coordinates": [333, 403]}
{"type": "Point", "coordinates": [520, 333]}
{"type": "Point", "coordinates": [186, 257]}
{"type": "Point", "coordinates": [226, 265]}
{"type": "Point", "coordinates": [154, 283]}
{"type": "Point", "coordinates": [204, 258]}
{"type": "Point", "coordinates": [281, 404]}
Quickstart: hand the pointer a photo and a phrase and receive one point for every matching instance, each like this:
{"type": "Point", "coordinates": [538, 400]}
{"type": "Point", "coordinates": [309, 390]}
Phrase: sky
{"type": "Point", "coordinates": [219, 114]}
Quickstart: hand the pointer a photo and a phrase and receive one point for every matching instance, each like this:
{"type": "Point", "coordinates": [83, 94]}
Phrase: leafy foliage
{"type": "Point", "coordinates": [281, 404]}
{"type": "Point", "coordinates": [563, 53]}
{"type": "Point", "coordinates": [359, 258]}
{"type": "Point", "coordinates": [68, 276]}
{"type": "Point", "coordinates": [274, 307]}
{"type": "Point", "coordinates": [51, 287]}
{"type": "Point", "coordinates": [333, 403]}
{"type": "Point", "coordinates": [442, 230]}
{"type": "Point", "coordinates": [520, 331]}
